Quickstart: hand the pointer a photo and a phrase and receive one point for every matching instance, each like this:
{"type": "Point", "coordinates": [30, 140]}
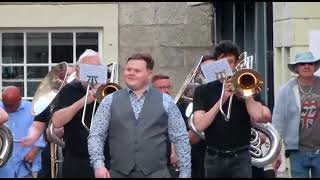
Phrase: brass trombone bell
{"type": "Point", "coordinates": [106, 89]}
{"type": "Point", "coordinates": [247, 83]}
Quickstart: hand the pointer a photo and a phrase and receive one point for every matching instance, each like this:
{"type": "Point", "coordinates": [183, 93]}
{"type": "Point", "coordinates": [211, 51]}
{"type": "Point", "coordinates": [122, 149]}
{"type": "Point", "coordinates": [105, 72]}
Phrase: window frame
{"type": "Point", "coordinates": [25, 65]}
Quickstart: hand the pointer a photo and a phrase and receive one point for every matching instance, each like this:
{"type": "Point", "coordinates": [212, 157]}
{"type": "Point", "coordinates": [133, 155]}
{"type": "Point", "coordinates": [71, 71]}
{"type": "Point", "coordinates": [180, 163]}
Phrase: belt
{"type": "Point", "coordinates": [233, 152]}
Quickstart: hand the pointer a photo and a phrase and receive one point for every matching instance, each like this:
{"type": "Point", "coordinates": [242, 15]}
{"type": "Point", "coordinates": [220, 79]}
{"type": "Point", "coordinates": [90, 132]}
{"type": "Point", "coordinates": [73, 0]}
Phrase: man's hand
{"type": "Point", "coordinates": [227, 90]}
{"type": "Point", "coordinates": [173, 156]}
{"type": "Point", "coordinates": [174, 159]}
{"type": "Point", "coordinates": [30, 156]}
{"type": "Point", "coordinates": [276, 164]}
{"type": "Point", "coordinates": [28, 141]}
{"type": "Point", "coordinates": [102, 173]}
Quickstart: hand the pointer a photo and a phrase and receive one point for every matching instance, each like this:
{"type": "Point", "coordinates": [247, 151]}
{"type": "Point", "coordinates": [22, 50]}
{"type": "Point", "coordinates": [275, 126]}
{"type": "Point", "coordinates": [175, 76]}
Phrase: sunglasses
{"type": "Point", "coordinates": [310, 63]}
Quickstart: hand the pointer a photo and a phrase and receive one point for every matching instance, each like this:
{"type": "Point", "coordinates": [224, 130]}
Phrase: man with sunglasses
{"type": "Point", "coordinates": [296, 117]}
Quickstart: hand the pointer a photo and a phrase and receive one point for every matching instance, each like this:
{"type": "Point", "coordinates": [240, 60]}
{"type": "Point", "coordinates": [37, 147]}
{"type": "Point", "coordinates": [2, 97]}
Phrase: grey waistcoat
{"type": "Point", "coordinates": [138, 142]}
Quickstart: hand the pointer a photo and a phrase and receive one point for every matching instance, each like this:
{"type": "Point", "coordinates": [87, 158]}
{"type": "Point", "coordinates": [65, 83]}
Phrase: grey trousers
{"type": "Point", "coordinates": [162, 173]}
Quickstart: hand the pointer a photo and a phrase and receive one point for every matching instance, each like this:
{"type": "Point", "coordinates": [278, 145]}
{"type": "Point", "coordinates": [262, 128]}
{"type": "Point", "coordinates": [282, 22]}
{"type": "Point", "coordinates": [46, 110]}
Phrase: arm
{"type": "Point", "coordinates": [63, 116]}
{"type": "Point", "coordinates": [59, 132]}
{"type": "Point", "coordinates": [35, 131]}
{"type": "Point", "coordinates": [31, 155]}
{"type": "Point", "coordinates": [3, 116]}
{"type": "Point", "coordinates": [178, 135]}
{"type": "Point", "coordinates": [203, 119]}
{"type": "Point", "coordinates": [173, 156]}
{"type": "Point", "coordinates": [97, 137]}
{"type": "Point", "coordinates": [193, 138]}
{"type": "Point", "coordinates": [258, 112]}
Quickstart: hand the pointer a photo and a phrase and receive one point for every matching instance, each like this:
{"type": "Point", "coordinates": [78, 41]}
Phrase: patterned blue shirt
{"type": "Point", "coordinates": [19, 123]}
{"type": "Point", "coordinates": [176, 130]}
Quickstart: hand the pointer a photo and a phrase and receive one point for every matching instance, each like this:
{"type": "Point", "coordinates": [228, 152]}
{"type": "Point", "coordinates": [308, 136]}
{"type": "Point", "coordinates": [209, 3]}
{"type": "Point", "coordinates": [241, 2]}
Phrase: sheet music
{"type": "Point", "coordinates": [216, 70]}
{"type": "Point", "coordinates": [98, 73]}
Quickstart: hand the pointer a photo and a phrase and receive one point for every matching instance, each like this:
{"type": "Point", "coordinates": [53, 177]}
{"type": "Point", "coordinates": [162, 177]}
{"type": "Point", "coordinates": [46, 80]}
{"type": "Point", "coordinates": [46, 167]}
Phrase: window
{"type": "Point", "coordinates": [249, 24]}
{"type": "Point", "coordinates": [27, 56]}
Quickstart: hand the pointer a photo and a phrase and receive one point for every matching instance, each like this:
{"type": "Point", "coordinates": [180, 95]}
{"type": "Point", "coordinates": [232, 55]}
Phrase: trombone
{"type": "Point", "coordinates": [101, 92]}
{"type": "Point", "coordinates": [245, 82]}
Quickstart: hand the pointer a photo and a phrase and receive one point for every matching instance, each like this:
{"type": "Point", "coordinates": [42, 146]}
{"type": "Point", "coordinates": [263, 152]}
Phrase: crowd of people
{"type": "Point", "coordinates": [140, 131]}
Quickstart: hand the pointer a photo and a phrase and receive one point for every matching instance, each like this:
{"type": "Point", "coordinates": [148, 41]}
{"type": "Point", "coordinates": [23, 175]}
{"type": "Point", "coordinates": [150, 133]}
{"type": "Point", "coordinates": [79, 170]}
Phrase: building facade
{"type": "Point", "coordinates": [35, 36]}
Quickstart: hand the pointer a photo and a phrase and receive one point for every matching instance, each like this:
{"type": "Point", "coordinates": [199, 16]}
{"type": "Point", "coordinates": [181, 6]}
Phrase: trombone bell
{"type": "Point", "coordinates": [247, 83]}
{"type": "Point", "coordinates": [106, 89]}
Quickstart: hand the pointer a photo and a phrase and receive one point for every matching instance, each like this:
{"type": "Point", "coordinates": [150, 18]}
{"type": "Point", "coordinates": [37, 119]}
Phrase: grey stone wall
{"type": "Point", "coordinates": [176, 35]}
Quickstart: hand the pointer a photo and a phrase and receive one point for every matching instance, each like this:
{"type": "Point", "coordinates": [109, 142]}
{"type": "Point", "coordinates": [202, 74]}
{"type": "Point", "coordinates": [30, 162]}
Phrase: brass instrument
{"type": "Point", "coordinates": [49, 88]}
{"type": "Point", "coordinates": [45, 94]}
{"type": "Point", "coordinates": [6, 144]}
{"type": "Point", "coordinates": [246, 83]}
{"type": "Point", "coordinates": [101, 92]}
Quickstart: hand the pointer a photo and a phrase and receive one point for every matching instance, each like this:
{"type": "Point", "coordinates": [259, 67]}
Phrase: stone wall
{"type": "Point", "coordinates": [176, 35]}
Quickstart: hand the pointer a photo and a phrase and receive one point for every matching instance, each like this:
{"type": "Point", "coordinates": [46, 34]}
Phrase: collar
{"type": "Point", "coordinates": [147, 88]}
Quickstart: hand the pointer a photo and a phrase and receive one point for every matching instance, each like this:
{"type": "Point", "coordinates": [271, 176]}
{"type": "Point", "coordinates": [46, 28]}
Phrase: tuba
{"type": "Point", "coordinates": [246, 83]}
{"type": "Point", "coordinates": [6, 144]}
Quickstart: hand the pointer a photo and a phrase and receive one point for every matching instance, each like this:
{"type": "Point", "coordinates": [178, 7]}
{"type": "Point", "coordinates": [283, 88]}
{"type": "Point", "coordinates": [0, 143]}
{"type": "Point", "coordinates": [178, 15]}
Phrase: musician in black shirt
{"type": "Point", "coordinates": [39, 125]}
{"type": "Point", "coordinates": [228, 142]}
{"type": "Point", "coordinates": [68, 114]}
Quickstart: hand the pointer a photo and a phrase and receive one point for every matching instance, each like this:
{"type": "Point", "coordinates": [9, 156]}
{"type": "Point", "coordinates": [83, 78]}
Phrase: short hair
{"type": "Point", "coordinates": [158, 77]}
{"type": "Point", "coordinates": [145, 57]}
{"type": "Point", "coordinates": [208, 57]}
{"type": "Point", "coordinates": [87, 53]}
{"type": "Point", "coordinates": [226, 47]}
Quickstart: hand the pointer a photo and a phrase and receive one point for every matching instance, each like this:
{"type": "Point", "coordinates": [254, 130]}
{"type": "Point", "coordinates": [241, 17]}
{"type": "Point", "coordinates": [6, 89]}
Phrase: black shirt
{"type": "Point", "coordinates": [221, 134]}
{"type": "Point", "coordinates": [182, 105]}
{"type": "Point", "coordinates": [44, 116]}
{"type": "Point", "coordinates": [75, 134]}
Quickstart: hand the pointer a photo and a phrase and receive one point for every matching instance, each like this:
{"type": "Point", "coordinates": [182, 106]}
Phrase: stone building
{"type": "Point", "coordinates": [35, 36]}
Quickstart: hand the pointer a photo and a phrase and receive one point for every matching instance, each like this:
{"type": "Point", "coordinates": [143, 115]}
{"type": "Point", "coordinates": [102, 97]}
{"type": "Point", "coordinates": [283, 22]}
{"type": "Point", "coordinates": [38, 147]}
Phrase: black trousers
{"type": "Point", "coordinates": [197, 160]}
{"type": "Point", "coordinates": [45, 171]}
{"type": "Point", "coordinates": [261, 173]}
{"type": "Point", "coordinates": [236, 164]}
{"type": "Point", "coordinates": [76, 167]}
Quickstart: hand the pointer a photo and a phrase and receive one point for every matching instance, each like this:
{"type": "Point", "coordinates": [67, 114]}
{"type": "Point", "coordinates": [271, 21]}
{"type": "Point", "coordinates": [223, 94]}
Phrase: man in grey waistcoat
{"type": "Point", "coordinates": [138, 120]}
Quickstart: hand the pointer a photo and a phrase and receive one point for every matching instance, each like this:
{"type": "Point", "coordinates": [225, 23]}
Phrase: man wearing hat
{"type": "Point", "coordinates": [296, 116]}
